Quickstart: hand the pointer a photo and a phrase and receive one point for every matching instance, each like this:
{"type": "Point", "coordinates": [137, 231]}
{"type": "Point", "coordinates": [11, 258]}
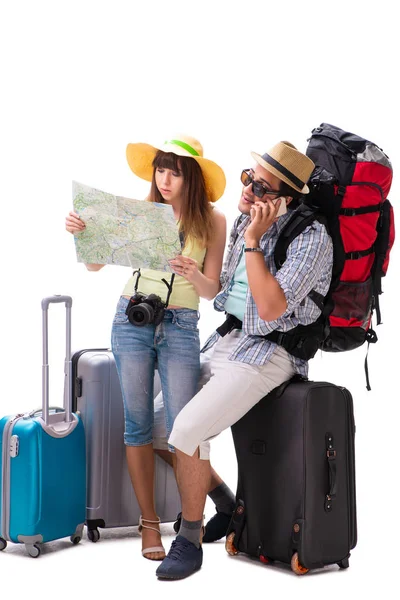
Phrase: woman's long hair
{"type": "Point", "coordinates": [196, 219]}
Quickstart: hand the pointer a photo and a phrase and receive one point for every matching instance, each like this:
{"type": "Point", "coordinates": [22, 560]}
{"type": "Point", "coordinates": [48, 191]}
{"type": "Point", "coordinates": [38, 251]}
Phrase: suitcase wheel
{"type": "Point", "coordinates": [344, 564]}
{"type": "Point", "coordinates": [33, 550]}
{"type": "Point", "coordinates": [296, 566]}
{"type": "Point", "coordinates": [229, 545]}
{"type": "Point", "coordinates": [3, 544]}
{"type": "Point", "coordinates": [93, 535]}
{"type": "Point", "coordinates": [75, 539]}
{"type": "Point", "coordinates": [77, 535]}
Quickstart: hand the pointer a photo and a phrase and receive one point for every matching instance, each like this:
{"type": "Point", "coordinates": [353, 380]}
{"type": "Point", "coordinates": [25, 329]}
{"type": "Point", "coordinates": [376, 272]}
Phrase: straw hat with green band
{"type": "Point", "coordinates": [140, 159]}
{"type": "Point", "coordinates": [288, 164]}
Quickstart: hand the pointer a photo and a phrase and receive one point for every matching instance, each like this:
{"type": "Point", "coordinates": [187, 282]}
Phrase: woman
{"type": "Point", "coordinates": [181, 177]}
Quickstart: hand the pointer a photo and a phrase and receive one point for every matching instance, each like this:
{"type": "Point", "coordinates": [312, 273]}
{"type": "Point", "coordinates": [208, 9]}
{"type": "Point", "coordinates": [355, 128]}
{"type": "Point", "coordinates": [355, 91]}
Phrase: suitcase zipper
{"type": "Point", "coordinates": [6, 477]}
{"type": "Point", "coordinates": [351, 465]}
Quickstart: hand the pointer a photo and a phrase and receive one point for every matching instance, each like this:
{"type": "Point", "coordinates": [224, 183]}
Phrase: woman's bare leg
{"type": "Point", "coordinates": [140, 461]}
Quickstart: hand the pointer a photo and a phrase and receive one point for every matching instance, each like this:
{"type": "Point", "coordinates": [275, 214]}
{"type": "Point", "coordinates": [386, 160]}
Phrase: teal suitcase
{"type": "Point", "coordinates": [43, 468]}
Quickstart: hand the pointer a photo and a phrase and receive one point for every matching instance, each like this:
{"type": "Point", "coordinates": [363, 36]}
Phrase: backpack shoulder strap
{"type": "Point", "coordinates": [302, 217]}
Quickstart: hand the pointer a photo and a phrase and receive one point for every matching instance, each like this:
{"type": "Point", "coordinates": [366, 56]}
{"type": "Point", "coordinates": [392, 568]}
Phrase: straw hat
{"type": "Point", "coordinates": [288, 164]}
{"type": "Point", "coordinates": [140, 158]}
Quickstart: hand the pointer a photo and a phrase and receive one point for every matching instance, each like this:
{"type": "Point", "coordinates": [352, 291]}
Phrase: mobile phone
{"type": "Point", "coordinates": [283, 208]}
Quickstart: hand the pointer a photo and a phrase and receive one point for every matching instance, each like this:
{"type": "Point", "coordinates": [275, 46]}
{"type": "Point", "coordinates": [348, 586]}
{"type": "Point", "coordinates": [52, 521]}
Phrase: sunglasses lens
{"type": "Point", "coordinates": [245, 178]}
{"type": "Point", "coordinates": [258, 189]}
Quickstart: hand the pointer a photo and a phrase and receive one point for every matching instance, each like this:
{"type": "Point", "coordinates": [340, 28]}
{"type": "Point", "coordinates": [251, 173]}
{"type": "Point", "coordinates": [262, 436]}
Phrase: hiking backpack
{"type": "Point", "coordinates": [348, 193]}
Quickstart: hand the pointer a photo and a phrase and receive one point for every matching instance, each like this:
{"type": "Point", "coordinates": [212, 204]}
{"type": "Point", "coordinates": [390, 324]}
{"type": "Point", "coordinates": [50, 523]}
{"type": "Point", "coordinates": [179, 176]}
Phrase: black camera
{"type": "Point", "coordinates": [145, 310]}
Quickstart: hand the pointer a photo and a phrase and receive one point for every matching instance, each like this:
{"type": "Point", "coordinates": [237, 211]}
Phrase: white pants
{"type": "Point", "coordinates": [233, 389]}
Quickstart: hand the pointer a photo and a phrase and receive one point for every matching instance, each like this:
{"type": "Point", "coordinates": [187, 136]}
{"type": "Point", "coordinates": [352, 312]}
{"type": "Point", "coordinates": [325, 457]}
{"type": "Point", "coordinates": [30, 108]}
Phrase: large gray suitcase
{"type": "Point", "coordinates": [111, 501]}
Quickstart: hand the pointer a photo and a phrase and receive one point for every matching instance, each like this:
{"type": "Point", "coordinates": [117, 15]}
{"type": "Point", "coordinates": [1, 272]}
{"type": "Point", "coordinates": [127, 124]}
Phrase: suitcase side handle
{"type": "Point", "coordinates": [67, 300]}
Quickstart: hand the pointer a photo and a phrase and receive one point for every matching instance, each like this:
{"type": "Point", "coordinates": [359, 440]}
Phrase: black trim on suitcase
{"type": "Point", "coordinates": [331, 456]}
{"type": "Point", "coordinates": [77, 381]}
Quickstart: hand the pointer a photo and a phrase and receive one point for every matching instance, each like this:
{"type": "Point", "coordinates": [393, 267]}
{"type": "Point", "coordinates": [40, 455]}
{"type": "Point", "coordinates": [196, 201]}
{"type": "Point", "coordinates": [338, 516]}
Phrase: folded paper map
{"type": "Point", "coordinates": [121, 231]}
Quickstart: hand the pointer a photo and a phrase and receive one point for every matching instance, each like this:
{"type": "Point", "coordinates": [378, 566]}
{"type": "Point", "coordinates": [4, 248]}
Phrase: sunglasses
{"type": "Point", "coordinates": [257, 188]}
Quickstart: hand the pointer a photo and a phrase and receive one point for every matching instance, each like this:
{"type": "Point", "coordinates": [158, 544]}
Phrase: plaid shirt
{"type": "Point", "coordinates": [308, 266]}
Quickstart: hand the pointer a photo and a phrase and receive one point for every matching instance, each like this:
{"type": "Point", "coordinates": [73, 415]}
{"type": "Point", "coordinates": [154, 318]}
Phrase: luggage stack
{"type": "Point", "coordinates": [63, 467]}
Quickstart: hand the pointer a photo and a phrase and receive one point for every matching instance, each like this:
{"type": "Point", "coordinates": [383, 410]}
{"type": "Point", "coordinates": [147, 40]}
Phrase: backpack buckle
{"type": "Point", "coordinates": [348, 212]}
{"type": "Point", "coordinates": [371, 336]}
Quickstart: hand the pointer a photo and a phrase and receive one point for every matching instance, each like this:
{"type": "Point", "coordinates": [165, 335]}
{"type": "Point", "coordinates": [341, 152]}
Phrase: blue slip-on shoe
{"type": "Point", "coordinates": [182, 560]}
{"type": "Point", "coordinates": [215, 529]}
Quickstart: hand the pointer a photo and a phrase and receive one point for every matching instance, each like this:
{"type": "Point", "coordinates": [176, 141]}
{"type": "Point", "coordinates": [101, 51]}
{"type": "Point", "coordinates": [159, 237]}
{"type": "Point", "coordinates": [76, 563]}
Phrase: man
{"type": "Point", "coordinates": [258, 300]}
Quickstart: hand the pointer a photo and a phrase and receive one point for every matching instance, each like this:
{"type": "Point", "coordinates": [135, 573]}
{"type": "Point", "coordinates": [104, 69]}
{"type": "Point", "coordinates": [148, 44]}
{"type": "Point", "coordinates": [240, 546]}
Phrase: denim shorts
{"type": "Point", "coordinates": [173, 347]}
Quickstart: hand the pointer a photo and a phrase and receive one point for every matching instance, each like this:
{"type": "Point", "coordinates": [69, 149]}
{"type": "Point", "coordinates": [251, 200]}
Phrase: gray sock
{"type": "Point", "coordinates": [191, 531]}
{"type": "Point", "coordinates": [223, 498]}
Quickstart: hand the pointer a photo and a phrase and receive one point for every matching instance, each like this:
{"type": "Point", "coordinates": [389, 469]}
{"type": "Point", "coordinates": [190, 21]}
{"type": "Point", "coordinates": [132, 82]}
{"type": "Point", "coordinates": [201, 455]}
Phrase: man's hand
{"type": "Point", "coordinates": [262, 215]}
{"type": "Point", "coordinates": [74, 224]}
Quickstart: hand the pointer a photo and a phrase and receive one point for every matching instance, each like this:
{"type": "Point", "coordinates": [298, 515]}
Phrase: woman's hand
{"type": "Point", "coordinates": [262, 215]}
{"type": "Point", "coordinates": [185, 267]}
{"type": "Point", "coordinates": [74, 224]}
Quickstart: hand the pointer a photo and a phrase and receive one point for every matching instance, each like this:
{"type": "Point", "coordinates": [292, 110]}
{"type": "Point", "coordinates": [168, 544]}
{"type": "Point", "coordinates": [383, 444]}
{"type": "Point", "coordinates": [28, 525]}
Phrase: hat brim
{"type": "Point", "coordinates": [140, 159]}
{"type": "Point", "coordinates": [259, 159]}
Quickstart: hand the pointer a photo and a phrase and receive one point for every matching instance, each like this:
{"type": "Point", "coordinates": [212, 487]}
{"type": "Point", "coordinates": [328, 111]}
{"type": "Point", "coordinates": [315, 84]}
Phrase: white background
{"type": "Point", "coordinates": [79, 80]}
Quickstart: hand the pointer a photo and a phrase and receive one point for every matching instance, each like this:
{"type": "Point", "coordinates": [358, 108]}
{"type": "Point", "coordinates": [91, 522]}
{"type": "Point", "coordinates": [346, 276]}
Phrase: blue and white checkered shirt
{"type": "Point", "coordinates": [308, 266]}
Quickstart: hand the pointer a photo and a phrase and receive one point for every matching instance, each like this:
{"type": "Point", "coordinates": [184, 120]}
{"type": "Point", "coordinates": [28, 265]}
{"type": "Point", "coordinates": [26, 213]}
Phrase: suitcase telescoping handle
{"type": "Point", "coordinates": [67, 300]}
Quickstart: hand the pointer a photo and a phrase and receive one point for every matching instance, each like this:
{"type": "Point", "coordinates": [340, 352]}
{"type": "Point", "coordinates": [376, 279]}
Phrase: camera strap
{"type": "Point", "coordinates": [169, 285]}
{"type": "Point", "coordinates": [138, 273]}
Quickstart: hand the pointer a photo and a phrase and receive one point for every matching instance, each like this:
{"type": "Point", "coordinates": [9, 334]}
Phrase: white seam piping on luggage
{"type": "Point", "coordinates": [55, 429]}
{"type": "Point", "coordinates": [6, 478]}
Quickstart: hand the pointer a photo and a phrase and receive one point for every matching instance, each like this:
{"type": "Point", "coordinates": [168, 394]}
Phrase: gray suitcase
{"type": "Point", "coordinates": [111, 501]}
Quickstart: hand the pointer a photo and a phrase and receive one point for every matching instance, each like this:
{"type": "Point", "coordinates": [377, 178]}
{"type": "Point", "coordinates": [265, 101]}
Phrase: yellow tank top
{"type": "Point", "coordinates": [183, 292]}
